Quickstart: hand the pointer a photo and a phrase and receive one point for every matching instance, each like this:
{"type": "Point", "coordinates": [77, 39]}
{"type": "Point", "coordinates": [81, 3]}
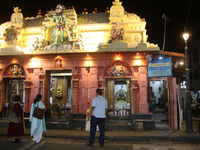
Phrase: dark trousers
{"type": "Point", "coordinates": [93, 125]}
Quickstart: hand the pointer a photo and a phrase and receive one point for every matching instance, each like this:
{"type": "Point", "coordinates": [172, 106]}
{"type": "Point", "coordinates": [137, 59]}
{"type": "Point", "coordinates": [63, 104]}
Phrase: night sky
{"type": "Point", "coordinates": [151, 10]}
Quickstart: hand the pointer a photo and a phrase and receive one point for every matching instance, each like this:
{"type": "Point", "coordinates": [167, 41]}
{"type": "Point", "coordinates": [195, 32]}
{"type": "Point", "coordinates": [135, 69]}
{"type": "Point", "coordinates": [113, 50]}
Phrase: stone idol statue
{"type": "Point", "coordinates": [61, 25]}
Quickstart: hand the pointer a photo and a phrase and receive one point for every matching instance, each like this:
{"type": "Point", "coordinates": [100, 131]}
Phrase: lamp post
{"type": "Point", "coordinates": [189, 128]}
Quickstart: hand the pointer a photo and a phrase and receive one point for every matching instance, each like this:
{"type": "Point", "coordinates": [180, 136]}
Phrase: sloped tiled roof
{"type": "Point", "coordinates": [33, 22]}
{"type": "Point", "coordinates": [93, 18]}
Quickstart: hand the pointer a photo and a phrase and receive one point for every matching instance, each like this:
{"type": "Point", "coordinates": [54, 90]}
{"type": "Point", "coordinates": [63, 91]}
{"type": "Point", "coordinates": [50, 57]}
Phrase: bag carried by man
{"type": "Point", "coordinates": [13, 116]}
{"type": "Point", "coordinates": [38, 112]}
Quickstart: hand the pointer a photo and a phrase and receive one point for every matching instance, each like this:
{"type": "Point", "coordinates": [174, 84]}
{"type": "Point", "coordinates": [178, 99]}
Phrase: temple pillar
{"type": "Point", "coordinates": [93, 85]}
{"type": "Point", "coordinates": [102, 86]}
{"type": "Point", "coordinates": [75, 85]}
{"type": "Point", "coordinates": [143, 105]}
{"type": "Point", "coordinates": [27, 95]}
{"type": "Point", "coordinates": [134, 91]}
{"type": "Point", "coordinates": [83, 90]}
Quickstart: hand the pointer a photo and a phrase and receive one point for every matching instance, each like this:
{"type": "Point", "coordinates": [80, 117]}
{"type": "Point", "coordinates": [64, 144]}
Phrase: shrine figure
{"type": "Point", "coordinates": [61, 24]}
{"type": "Point", "coordinates": [127, 72]}
{"type": "Point", "coordinates": [58, 63]}
{"type": "Point", "coordinates": [59, 89]}
{"type": "Point", "coordinates": [121, 71]}
{"type": "Point", "coordinates": [116, 34]}
{"type": "Point", "coordinates": [56, 107]}
{"type": "Point", "coordinates": [20, 71]}
{"type": "Point", "coordinates": [114, 71]}
{"type": "Point", "coordinates": [15, 70]}
{"type": "Point", "coordinates": [108, 72]}
{"type": "Point", "coordinates": [13, 37]}
{"type": "Point", "coordinates": [10, 71]}
{"type": "Point", "coordinates": [36, 45]}
{"type": "Point", "coordinates": [79, 42]}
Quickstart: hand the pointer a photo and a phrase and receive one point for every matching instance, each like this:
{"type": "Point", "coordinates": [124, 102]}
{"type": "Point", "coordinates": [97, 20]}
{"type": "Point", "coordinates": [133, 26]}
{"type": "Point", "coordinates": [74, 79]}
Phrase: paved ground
{"type": "Point", "coordinates": [121, 135]}
{"type": "Point", "coordinates": [70, 144]}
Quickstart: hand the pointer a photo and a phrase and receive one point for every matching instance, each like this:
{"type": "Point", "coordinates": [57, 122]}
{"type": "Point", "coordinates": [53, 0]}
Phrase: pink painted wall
{"type": "Point", "coordinates": [89, 73]}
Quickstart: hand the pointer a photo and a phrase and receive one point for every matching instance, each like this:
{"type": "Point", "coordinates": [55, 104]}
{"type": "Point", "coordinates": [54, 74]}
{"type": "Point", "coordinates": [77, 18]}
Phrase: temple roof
{"type": "Point", "coordinates": [33, 22]}
{"type": "Point", "coordinates": [93, 18]}
{"type": "Point", "coordinates": [82, 19]}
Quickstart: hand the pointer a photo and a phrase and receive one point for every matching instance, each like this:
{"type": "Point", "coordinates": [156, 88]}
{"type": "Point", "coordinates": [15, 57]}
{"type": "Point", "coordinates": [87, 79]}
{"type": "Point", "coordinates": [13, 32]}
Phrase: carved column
{"type": "Point", "coordinates": [143, 105]}
{"type": "Point", "coordinates": [93, 83]}
{"type": "Point", "coordinates": [75, 85]}
{"type": "Point", "coordinates": [27, 95]}
{"type": "Point", "coordinates": [102, 87]}
{"type": "Point", "coordinates": [83, 90]}
{"type": "Point", "coordinates": [36, 82]}
{"type": "Point", "coordinates": [134, 91]}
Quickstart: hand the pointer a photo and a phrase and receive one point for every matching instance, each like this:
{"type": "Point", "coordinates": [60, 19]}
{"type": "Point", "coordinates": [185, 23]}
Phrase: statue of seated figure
{"type": "Point", "coordinates": [79, 42]}
{"type": "Point", "coordinates": [56, 107]}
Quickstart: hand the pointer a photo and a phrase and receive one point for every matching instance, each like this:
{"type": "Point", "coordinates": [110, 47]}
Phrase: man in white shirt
{"type": "Point", "coordinates": [98, 110]}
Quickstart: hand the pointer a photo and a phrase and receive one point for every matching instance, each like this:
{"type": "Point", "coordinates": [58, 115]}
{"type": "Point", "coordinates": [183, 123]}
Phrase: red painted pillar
{"type": "Point", "coordinates": [143, 105]}
{"type": "Point", "coordinates": [93, 84]}
{"type": "Point", "coordinates": [83, 90]}
{"type": "Point", "coordinates": [75, 85]}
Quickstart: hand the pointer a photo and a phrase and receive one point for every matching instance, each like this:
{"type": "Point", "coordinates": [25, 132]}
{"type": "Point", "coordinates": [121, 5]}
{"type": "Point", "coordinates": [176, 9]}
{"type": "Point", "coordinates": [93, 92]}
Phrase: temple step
{"type": "Point", "coordinates": [118, 126]}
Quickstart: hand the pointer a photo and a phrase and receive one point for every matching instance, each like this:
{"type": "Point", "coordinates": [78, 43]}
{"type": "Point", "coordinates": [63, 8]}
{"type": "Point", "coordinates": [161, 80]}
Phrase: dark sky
{"type": "Point", "coordinates": [151, 10]}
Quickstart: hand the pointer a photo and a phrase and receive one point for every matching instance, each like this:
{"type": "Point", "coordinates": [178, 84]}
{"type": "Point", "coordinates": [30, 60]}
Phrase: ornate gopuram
{"type": "Point", "coordinates": [67, 56]}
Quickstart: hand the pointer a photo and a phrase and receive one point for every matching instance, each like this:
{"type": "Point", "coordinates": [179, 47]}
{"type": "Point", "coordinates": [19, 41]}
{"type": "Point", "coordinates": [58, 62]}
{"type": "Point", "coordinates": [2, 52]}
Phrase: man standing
{"type": "Point", "coordinates": [98, 110]}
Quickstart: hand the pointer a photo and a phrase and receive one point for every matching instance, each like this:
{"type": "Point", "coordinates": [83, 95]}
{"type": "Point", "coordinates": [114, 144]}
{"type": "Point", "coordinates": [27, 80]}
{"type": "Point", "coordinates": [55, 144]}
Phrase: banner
{"type": "Point", "coordinates": [160, 67]}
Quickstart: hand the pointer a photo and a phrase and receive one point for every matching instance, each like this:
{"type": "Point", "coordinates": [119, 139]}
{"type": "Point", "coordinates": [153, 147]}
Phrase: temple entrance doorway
{"type": "Point", "coordinates": [158, 101]}
{"type": "Point", "coordinates": [59, 94]}
{"type": "Point", "coordinates": [13, 87]}
{"type": "Point", "coordinates": [119, 97]}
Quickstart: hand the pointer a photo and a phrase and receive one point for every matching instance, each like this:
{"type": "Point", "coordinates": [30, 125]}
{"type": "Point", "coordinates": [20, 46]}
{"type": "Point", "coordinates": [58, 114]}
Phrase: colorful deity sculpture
{"type": "Point", "coordinates": [12, 38]}
{"type": "Point", "coordinates": [121, 71]}
{"type": "Point", "coordinates": [58, 63]}
{"type": "Point", "coordinates": [15, 70]}
{"type": "Point", "coordinates": [20, 71]}
{"type": "Point", "coordinates": [79, 42]}
{"type": "Point", "coordinates": [61, 25]}
{"type": "Point", "coordinates": [116, 34]}
{"type": "Point", "coordinates": [10, 71]}
{"type": "Point", "coordinates": [36, 45]}
{"type": "Point", "coordinates": [114, 71]}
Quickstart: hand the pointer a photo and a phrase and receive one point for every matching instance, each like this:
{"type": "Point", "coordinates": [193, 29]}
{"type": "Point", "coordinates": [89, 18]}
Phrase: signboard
{"type": "Point", "coordinates": [160, 67]}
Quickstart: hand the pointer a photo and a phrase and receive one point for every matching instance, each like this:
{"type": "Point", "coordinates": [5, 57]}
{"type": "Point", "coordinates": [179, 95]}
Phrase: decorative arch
{"type": "Point", "coordinates": [127, 69]}
{"type": "Point", "coordinates": [6, 70]}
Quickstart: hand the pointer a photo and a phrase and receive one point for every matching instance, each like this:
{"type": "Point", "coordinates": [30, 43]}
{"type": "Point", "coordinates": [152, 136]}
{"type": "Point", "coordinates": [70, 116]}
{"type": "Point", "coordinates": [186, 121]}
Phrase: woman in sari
{"type": "Point", "coordinates": [37, 125]}
{"type": "Point", "coordinates": [16, 130]}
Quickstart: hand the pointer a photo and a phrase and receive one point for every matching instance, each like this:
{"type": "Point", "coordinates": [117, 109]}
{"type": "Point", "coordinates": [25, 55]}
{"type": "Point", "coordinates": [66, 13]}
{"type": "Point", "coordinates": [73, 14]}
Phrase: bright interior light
{"type": "Point", "coordinates": [181, 63]}
{"type": "Point", "coordinates": [61, 74]}
{"type": "Point", "coordinates": [19, 48]}
{"type": "Point", "coordinates": [186, 36]}
{"type": "Point", "coordinates": [137, 53]}
{"type": "Point", "coordinates": [160, 58]}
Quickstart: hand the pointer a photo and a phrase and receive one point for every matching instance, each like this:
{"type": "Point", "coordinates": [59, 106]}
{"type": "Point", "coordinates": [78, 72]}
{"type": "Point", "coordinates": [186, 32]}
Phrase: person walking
{"type": "Point", "coordinates": [38, 126]}
{"type": "Point", "coordinates": [99, 111]}
{"type": "Point", "coordinates": [16, 130]}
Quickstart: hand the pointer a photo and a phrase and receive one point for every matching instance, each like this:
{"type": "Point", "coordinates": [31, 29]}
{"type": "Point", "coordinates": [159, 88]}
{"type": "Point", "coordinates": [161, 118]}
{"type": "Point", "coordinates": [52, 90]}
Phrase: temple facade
{"type": "Point", "coordinates": [66, 56]}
